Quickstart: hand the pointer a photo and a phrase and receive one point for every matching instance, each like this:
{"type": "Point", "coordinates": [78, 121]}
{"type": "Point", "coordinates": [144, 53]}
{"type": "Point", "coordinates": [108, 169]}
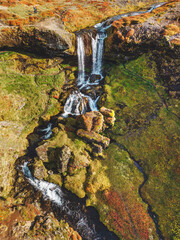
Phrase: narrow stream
{"type": "Point", "coordinates": [85, 222]}
{"type": "Point", "coordinates": [149, 208]}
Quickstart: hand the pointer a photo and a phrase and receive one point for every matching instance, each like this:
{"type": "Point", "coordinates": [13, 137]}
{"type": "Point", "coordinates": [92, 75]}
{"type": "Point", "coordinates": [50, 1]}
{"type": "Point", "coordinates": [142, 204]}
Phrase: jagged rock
{"type": "Point", "coordinates": [91, 121]}
{"type": "Point", "coordinates": [109, 121]}
{"type": "Point", "coordinates": [96, 148]}
{"type": "Point", "coordinates": [131, 36]}
{"type": "Point", "coordinates": [93, 137]}
{"type": "Point", "coordinates": [63, 157]}
{"type": "Point", "coordinates": [95, 77]}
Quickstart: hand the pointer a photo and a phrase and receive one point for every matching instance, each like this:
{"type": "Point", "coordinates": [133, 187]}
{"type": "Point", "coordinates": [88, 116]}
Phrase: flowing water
{"type": "Point", "coordinates": [78, 103]}
{"type": "Point", "coordinates": [84, 80]}
{"type": "Point", "coordinates": [87, 225]}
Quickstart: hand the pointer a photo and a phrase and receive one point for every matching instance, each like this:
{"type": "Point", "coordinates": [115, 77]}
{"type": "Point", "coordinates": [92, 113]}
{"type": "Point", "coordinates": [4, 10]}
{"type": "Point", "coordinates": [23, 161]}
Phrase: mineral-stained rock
{"type": "Point", "coordinates": [93, 137]}
{"type": "Point", "coordinates": [42, 152]}
{"type": "Point", "coordinates": [91, 121]}
{"type": "Point", "coordinates": [110, 121]}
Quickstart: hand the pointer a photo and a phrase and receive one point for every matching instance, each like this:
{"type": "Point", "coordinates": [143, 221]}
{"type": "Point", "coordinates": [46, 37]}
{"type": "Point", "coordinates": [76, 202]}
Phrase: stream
{"type": "Point", "coordinates": [84, 99]}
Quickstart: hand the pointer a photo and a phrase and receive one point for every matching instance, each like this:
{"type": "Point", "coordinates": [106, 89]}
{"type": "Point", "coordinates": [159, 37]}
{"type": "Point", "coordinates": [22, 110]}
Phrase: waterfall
{"type": "Point", "coordinates": [81, 60]}
{"type": "Point", "coordinates": [97, 52]}
{"type": "Point", "coordinates": [76, 103]}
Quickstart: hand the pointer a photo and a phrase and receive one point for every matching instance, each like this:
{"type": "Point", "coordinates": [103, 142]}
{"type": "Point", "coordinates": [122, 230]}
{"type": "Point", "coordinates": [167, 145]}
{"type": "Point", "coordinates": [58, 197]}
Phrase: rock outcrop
{"type": "Point", "coordinates": [93, 137]}
{"type": "Point", "coordinates": [131, 36]}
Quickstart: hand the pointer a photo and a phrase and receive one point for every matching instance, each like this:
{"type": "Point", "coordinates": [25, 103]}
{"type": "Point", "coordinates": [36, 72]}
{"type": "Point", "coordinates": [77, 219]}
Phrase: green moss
{"type": "Point", "coordinates": [76, 182]}
{"type": "Point", "coordinates": [150, 133]}
{"type": "Point", "coordinates": [55, 178]}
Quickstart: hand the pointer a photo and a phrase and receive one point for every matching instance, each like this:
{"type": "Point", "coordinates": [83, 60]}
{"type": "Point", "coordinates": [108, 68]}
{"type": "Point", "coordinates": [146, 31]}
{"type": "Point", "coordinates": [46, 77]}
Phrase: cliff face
{"type": "Point", "coordinates": [47, 31]}
{"type": "Point", "coordinates": [92, 155]}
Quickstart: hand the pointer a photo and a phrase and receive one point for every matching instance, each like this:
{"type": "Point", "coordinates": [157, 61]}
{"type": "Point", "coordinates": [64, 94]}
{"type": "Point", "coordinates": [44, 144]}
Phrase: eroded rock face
{"type": "Point", "coordinates": [49, 30]}
{"type": "Point", "coordinates": [132, 36]}
{"type": "Point", "coordinates": [46, 37]}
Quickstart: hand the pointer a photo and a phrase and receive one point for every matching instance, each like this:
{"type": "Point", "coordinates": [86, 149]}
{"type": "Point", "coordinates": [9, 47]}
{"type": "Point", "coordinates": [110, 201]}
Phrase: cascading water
{"type": "Point", "coordinates": [83, 224]}
{"type": "Point", "coordinates": [75, 101]}
{"type": "Point", "coordinates": [76, 104]}
{"type": "Point", "coordinates": [81, 61]}
{"type": "Point", "coordinates": [97, 52]}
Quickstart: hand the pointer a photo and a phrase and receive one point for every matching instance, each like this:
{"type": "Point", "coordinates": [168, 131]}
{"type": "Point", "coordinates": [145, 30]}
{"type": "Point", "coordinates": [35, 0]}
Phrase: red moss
{"type": "Point", "coordinates": [127, 217]}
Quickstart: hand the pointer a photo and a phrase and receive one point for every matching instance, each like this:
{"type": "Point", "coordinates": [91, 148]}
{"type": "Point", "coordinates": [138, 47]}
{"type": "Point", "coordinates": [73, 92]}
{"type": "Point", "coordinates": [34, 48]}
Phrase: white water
{"type": "Point", "coordinates": [47, 131]}
{"type": "Point", "coordinates": [75, 104]}
{"type": "Point", "coordinates": [108, 23]}
{"type": "Point", "coordinates": [54, 193]}
{"type": "Point", "coordinates": [97, 52]}
{"type": "Point", "coordinates": [76, 101]}
{"type": "Point", "coordinates": [81, 60]}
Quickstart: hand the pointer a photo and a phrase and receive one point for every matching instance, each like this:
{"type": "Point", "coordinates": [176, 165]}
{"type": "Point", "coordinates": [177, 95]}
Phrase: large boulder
{"type": "Point", "coordinates": [91, 121]}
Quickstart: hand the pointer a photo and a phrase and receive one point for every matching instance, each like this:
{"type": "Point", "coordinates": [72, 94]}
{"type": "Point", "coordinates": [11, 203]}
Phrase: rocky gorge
{"type": "Point", "coordinates": [117, 153]}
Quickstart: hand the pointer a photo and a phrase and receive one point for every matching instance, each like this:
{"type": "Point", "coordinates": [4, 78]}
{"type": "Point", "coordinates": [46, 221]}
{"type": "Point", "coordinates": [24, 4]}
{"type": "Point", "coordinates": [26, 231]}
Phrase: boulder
{"type": "Point", "coordinates": [42, 152]}
{"type": "Point", "coordinates": [63, 157]}
{"type": "Point", "coordinates": [91, 121]}
{"type": "Point", "coordinates": [93, 137]}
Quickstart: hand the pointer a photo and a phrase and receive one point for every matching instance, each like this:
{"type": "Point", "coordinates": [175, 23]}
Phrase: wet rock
{"type": "Point", "coordinates": [95, 77]}
{"type": "Point", "coordinates": [91, 121]}
{"type": "Point", "coordinates": [93, 137]}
